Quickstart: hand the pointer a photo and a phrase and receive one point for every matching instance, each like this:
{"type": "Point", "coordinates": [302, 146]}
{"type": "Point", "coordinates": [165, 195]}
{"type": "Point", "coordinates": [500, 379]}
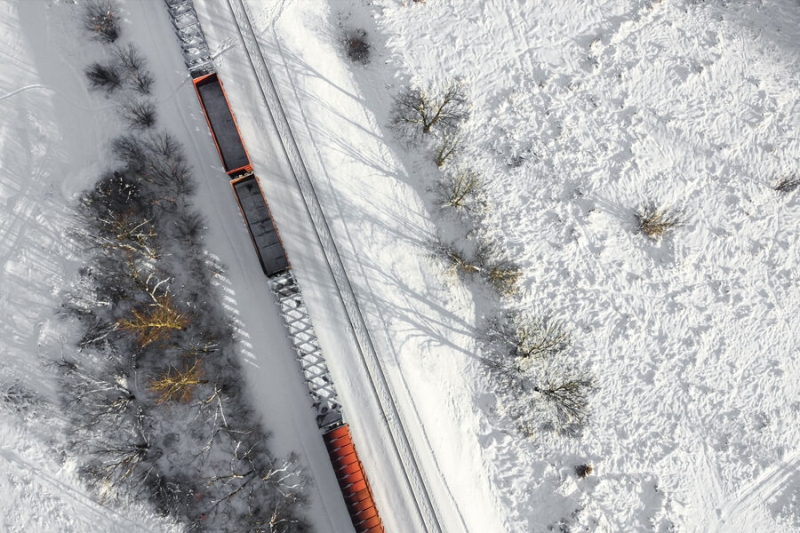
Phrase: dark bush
{"type": "Point", "coordinates": [100, 18]}
{"type": "Point", "coordinates": [583, 471]}
{"type": "Point", "coordinates": [788, 184]}
{"type": "Point", "coordinates": [357, 46]}
{"type": "Point", "coordinates": [103, 77]}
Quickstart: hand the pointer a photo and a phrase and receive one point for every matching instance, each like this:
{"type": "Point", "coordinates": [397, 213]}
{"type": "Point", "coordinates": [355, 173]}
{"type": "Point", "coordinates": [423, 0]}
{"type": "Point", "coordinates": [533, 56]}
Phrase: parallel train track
{"type": "Point", "coordinates": [401, 444]}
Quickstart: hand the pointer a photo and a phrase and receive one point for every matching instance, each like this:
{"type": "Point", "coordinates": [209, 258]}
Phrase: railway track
{"type": "Point", "coordinates": [402, 446]}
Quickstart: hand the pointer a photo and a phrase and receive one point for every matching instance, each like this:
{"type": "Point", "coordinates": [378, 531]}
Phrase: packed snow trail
{"type": "Point", "coordinates": [402, 445]}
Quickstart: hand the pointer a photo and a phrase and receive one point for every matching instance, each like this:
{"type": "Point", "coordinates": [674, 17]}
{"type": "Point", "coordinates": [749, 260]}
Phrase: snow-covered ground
{"type": "Point", "coordinates": [49, 136]}
{"type": "Point", "coordinates": [610, 104]}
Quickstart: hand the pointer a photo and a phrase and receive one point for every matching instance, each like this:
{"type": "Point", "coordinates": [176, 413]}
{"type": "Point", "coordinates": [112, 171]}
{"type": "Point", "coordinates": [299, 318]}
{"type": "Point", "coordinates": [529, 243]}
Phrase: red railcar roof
{"type": "Point", "coordinates": [353, 480]}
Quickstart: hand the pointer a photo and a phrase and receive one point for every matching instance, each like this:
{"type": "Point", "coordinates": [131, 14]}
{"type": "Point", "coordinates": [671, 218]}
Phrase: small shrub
{"type": "Point", "coordinates": [100, 19]}
{"type": "Point", "coordinates": [464, 186]}
{"type": "Point", "coordinates": [504, 277]}
{"type": "Point", "coordinates": [139, 115]}
{"type": "Point", "coordinates": [788, 184]}
{"type": "Point", "coordinates": [456, 261]}
{"type": "Point", "coordinates": [502, 273]}
{"type": "Point", "coordinates": [655, 222]}
{"type": "Point", "coordinates": [448, 146]}
{"type": "Point", "coordinates": [583, 471]}
{"type": "Point", "coordinates": [357, 46]}
{"type": "Point", "coordinates": [540, 338]}
{"type": "Point", "coordinates": [103, 77]}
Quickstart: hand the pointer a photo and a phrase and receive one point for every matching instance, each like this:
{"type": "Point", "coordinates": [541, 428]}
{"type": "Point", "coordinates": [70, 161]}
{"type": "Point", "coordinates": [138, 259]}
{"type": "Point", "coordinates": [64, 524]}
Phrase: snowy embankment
{"type": "Point", "coordinates": [55, 134]}
{"type": "Point", "coordinates": [49, 136]}
{"type": "Point", "coordinates": [582, 114]}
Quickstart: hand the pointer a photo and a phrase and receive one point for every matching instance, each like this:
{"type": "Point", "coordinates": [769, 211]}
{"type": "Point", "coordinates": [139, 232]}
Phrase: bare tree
{"type": "Point", "coordinates": [178, 385]}
{"type": "Point", "coordinates": [130, 233]}
{"type": "Point", "coordinates": [540, 338]}
{"type": "Point", "coordinates": [417, 111]}
{"type": "Point", "coordinates": [537, 386]}
{"type": "Point", "coordinates": [189, 226]}
{"type": "Point", "coordinates": [569, 398]}
{"type": "Point", "coordinates": [139, 114]}
{"type": "Point", "coordinates": [129, 57]}
{"type": "Point", "coordinates": [17, 397]}
{"type": "Point", "coordinates": [134, 65]}
{"type": "Point", "coordinates": [155, 322]}
{"type": "Point", "coordinates": [131, 151]}
{"type": "Point", "coordinates": [100, 18]}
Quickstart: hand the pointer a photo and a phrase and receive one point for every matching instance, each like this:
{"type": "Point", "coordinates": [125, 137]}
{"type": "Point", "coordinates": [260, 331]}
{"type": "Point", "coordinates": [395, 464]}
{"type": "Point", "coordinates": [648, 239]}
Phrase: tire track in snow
{"type": "Point", "coordinates": [23, 89]}
{"type": "Point", "coordinates": [403, 446]}
{"type": "Point", "coordinates": [758, 493]}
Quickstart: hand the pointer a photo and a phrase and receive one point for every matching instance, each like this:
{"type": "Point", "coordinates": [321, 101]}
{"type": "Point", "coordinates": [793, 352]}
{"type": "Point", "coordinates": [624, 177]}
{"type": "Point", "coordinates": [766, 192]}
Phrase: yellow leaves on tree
{"type": "Point", "coordinates": [156, 322]}
{"type": "Point", "coordinates": [178, 385]}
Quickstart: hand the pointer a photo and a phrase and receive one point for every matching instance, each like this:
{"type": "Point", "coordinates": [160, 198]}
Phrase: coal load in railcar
{"type": "Point", "coordinates": [222, 124]}
{"type": "Point", "coordinates": [259, 223]}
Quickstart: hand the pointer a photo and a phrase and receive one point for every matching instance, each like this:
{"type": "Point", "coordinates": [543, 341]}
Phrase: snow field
{"type": "Point", "coordinates": [582, 113]}
{"type": "Point", "coordinates": [614, 105]}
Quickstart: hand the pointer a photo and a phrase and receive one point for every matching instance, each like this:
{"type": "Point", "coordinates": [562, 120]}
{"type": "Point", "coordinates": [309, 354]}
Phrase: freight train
{"type": "Point", "coordinates": [275, 264]}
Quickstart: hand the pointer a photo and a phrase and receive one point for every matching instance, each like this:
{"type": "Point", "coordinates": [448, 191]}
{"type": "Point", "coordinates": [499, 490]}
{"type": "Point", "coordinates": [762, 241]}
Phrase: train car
{"type": "Point", "coordinates": [269, 249]}
{"type": "Point", "coordinates": [222, 124]}
{"type": "Point", "coordinates": [352, 480]}
{"type": "Point", "coordinates": [260, 225]}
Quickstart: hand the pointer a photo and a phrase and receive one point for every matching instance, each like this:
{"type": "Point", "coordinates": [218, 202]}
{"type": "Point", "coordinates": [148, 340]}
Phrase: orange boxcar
{"type": "Point", "coordinates": [353, 480]}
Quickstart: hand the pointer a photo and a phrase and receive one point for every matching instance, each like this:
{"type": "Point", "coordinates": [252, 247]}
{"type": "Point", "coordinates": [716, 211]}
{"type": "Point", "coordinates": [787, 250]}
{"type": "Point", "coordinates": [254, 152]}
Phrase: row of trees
{"type": "Point", "coordinates": [153, 391]}
{"type": "Point", "coordinates": [538, 380]}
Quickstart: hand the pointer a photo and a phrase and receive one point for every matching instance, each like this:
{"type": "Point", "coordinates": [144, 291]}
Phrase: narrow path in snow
{"type": "Point", "coordinates": [65, 491]}
{"type": "Point", "coordinates": [402, 445]}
